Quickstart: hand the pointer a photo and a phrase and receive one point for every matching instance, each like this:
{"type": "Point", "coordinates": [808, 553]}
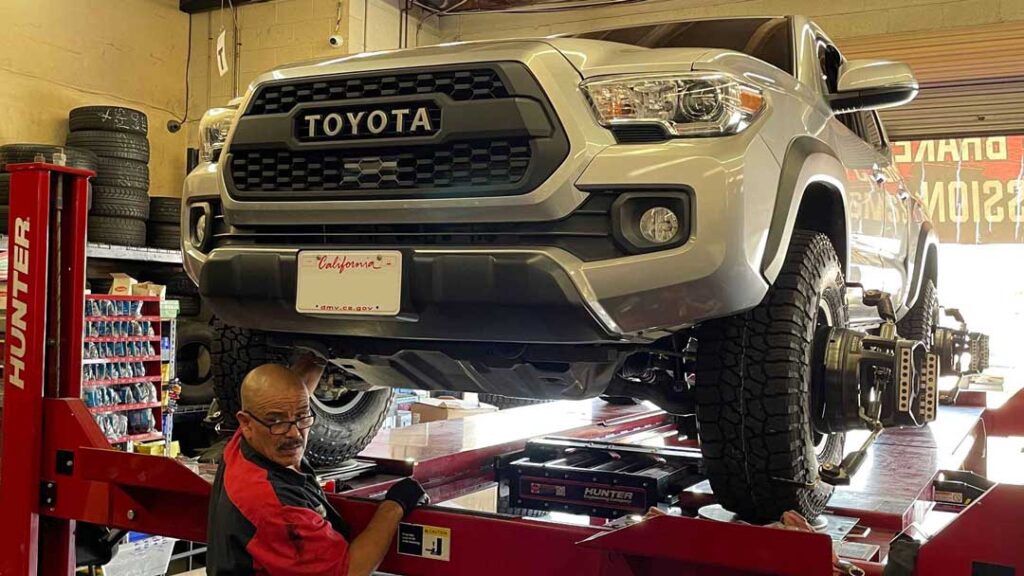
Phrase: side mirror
{"type": "Point", "coordinates": [872, 85]}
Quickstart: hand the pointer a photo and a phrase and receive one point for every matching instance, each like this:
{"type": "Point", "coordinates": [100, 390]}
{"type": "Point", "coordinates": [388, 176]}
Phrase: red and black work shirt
{"type": "Point", "coordinates": [268, 519]}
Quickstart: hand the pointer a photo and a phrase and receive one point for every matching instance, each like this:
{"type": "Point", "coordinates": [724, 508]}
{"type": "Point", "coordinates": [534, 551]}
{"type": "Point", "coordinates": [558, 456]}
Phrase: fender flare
{"type": "Point", "coordinates": [808, 161]}
{"type": "Point", "coordinates": [927, 239]}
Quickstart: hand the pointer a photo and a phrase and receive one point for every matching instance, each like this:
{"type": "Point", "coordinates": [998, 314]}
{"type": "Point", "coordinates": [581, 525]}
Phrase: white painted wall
{"type": "Point", "coordinates": [374, 25]}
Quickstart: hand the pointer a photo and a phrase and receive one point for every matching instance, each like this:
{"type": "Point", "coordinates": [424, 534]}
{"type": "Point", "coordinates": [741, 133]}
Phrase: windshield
{"type": "Point", "coordinates": [767, 39]}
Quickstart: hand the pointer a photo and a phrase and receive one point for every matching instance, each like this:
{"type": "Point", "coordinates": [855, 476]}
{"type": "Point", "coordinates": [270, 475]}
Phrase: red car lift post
{"type": "Point", "coordinates": [43, 352]}
{"type": "Point", "coordinates": [57, 468]}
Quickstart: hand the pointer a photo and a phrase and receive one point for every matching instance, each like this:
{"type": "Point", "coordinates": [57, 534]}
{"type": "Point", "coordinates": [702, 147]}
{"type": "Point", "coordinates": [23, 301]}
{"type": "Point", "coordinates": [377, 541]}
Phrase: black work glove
{"type": "Point", "coordinates": [408, 494]}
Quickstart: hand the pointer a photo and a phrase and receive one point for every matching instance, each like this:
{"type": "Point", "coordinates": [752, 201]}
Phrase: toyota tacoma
{"type": "Point", "coordinates": [670, 212]}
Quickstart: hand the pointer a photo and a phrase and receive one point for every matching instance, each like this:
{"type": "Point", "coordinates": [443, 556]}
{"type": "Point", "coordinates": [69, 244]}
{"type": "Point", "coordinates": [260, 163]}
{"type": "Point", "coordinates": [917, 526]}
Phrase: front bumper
{"type": "Point", "coordinates": [541, 293]}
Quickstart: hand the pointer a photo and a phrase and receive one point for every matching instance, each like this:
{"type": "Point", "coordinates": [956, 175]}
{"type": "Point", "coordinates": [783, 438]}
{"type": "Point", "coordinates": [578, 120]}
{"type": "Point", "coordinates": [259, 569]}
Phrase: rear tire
{"type": "Point", "coordinates": [919, 323]}
{"type": "Point", "coordinates": [754, 396]}
{"type": "Point", "coordinates": [339, 433]}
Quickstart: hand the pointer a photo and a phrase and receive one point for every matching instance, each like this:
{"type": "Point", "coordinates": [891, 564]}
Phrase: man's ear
{"type": "Point", "coordinates": [244, 422]}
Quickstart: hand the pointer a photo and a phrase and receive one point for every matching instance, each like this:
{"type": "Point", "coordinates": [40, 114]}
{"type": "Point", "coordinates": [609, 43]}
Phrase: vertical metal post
{"type": "Point", "coordinates": [74, 218]}
{"type": "Point", "coordinates": [24, 369]}
{"type": "Point", "coordinates": [37, 301]}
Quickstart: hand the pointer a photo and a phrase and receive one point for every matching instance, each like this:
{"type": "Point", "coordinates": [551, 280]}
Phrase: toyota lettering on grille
{"type": "Point", "coordinates": [348, 123]}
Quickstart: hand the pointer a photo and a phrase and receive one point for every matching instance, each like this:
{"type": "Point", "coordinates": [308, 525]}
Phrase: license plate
{"type": "Point", "coordinates": [352, 283]}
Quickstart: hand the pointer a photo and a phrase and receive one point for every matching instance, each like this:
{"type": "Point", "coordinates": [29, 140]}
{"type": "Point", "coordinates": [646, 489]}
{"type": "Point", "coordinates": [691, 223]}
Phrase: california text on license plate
{"type": "Point", "coordinates": [358, 282]}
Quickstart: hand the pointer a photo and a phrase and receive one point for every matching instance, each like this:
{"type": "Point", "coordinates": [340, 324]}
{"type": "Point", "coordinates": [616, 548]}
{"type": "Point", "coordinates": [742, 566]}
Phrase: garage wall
{"type": "Point", "coordinates": [285, 31]}
{"type": "Point", "coordinates": [59, 54]}
{"type": "Point", "coordinates": [839, 18]}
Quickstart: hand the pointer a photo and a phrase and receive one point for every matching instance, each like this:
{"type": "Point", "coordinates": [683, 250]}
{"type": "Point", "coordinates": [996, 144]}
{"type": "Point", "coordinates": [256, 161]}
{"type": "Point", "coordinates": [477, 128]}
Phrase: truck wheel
{"type": "Point", "coordinates": [192, 359]}
{"type": "Point", "coordinates": [346, 420]}
{"type": "Point", "coordinates": [754, 395]}
{"type": "Point", "coordinates": [919, 323]}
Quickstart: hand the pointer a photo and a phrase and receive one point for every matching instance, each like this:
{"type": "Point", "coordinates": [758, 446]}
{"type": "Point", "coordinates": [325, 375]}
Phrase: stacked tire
{"type": "Point", "coordinates": [26, 153]}
{"type": "Point", "coordinates": [118, 138]}
{"type": "Point", "coordinates": [165, 223]}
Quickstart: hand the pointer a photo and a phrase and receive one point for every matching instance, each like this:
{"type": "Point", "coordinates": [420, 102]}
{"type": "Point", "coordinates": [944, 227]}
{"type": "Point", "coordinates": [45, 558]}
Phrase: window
{"type": "Point", "coordinates": [872, 133]}
{"type": "Point", "coordinates": [865, 125]}
{"type": "Point", "coordinates": [767, 39]}
{"type": "Point", "coordinates": [830, 61]}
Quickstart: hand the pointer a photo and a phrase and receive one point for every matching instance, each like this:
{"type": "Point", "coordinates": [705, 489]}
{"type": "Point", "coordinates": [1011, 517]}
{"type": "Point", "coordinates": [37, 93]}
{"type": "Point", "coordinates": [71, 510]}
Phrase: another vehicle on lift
{"type": "Point", "coordinates": [669, 212]}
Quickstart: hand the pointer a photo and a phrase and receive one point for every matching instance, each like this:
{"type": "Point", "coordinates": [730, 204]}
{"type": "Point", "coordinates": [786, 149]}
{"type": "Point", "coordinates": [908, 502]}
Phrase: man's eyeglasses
{"type": "Point", "coordinates": [281, 428]}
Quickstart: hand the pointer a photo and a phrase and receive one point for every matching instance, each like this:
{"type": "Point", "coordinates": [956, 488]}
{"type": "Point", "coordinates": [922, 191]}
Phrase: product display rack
{"type": "Point", "coordinates": [123, 334]}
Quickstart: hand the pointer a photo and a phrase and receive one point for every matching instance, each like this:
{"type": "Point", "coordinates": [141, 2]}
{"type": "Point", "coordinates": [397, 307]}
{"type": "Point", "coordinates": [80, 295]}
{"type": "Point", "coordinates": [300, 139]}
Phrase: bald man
{"type": "Point", "coordinates": [268, 514]}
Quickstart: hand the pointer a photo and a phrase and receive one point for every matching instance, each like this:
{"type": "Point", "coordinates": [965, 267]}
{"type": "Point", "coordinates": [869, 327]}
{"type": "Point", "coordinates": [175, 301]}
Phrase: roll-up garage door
{"type": "Point", "coordinates": [972, 80]}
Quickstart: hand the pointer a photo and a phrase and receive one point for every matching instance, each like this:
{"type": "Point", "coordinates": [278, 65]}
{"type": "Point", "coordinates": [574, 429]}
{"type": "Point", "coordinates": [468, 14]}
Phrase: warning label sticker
{"type": "Point", "coordinates": [425, 541]}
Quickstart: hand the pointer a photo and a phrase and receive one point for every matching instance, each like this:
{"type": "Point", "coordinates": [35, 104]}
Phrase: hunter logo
{"type": "Point", "coordinates": [351, 124]}
{"type": "Point", "coordinates": [608, 495]}
{"type": "Point", "coordinates": [16, 325]}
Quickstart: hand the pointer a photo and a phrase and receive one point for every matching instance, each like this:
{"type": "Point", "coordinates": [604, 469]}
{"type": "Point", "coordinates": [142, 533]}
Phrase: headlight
{"type": "Point", "coordinates": [213, 130]}
{"type": "Point", "coordinates": [685, 104]}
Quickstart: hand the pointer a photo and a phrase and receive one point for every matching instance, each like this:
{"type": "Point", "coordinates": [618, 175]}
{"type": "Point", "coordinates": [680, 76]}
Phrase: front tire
{"type": "Point", "coordinates": [754, 395]}
{"type": "Point", "coordinates": [344, 425]}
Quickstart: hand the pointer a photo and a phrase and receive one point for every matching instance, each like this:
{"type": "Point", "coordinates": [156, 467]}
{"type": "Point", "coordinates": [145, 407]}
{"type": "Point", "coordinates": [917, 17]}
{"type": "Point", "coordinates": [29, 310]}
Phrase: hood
{"type": "Point", "coordinates": [600, 58]}
{"type": "Point", "coordinates": [589, 57]}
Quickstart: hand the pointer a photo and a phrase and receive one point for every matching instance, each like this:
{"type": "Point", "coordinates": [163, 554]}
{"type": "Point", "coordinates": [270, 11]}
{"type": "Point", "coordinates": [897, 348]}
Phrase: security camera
{"type": "Point", "coordinates": [335, 40]}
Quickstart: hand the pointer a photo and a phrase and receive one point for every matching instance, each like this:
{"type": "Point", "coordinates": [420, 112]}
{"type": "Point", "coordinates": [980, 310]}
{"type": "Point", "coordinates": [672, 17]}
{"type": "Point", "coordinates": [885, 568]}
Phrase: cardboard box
{"type": "Point", "coordinates": [156, 448]}
{"type": "Point", "coordinates": [122, 285]}
{"type": "Point", "coordinates": [149, 289]}
{"type": "Point", "coordinates": [434, 409]}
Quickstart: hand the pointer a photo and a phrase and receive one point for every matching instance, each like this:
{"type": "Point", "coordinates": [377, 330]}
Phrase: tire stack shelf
{"type": "Point", "coordinates": [102, 350]}
{"type": "Point", "coordinates": [120, 190]}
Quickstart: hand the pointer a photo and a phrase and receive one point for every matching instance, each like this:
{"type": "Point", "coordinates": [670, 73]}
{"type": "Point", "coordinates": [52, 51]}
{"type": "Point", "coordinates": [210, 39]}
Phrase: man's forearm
{"type": "Point", "coordinates": [309, 367]}
{"type": "Point", "coordinates": [369, 548]}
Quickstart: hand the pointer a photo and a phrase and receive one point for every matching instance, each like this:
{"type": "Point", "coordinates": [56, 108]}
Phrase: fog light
{"type": "Point", "coordinates": [201, 229]}
{"type": "Point", "coordinates": [659, 225]}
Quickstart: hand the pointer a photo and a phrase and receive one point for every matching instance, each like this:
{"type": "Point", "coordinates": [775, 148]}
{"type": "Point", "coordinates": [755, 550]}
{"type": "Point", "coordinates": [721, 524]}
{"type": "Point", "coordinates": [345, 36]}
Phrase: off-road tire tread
{"type": "Point", "coordinates": [919, 322]}
{"type": "Point", "coordinates": [330, 446]}
{"type": "Point", "coordinates": [232, 354]}
{"type": "Point", "coordinates": [752, 391]}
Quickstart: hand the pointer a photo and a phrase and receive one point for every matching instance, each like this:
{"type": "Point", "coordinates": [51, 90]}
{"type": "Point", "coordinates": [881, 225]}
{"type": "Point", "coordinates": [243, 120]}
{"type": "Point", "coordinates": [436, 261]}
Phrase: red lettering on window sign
{"type": "Point", "coordinates": [342, 263]}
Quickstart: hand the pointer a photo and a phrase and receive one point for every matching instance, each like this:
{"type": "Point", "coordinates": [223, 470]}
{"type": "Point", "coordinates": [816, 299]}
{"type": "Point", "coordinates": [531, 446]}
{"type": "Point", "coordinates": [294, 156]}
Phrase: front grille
{"type": "Point", "coordinates": [477, 163]}
{"type": "Point", "coordinates": [586, 233]}
{"type": "Point", "coordinates": [473, 84]}
{"type": "Point", "coordinates": [492, 132]}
